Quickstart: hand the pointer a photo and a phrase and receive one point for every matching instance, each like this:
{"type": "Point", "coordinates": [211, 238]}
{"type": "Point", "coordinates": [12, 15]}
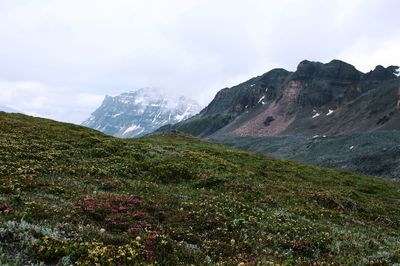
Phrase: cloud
{"type": "Point", "coordinates": [77, 51]}
{"type": "Point", "coordinates": [42, 100]}
{"type": "Point", "coordinates": [364, 54]}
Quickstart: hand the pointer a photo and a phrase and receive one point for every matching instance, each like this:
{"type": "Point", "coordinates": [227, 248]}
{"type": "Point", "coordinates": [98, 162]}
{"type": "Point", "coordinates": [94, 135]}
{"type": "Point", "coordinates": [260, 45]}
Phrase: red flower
{"type": "Point", "coordinates": [118, 211]}
{"type": "Point", "coordinates": [5, 208]}
{"type": "Point", "coordinates": [134, 200]}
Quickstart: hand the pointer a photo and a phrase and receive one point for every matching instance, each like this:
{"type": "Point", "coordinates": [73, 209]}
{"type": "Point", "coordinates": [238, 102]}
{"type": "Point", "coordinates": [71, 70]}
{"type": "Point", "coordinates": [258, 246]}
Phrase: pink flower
{"type": "Point", "coordinates": [141, 224]}
{"type": "Point", "coordinates": [134, 200]}
{"type": "Point", "coordinates": [5, 208]}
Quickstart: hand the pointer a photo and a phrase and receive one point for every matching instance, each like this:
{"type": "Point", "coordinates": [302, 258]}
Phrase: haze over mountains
{"type": "Point", "coordinates": [140, 112]}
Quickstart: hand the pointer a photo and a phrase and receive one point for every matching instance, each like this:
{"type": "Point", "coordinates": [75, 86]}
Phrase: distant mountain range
{"type": "Point", "coordinates": [316, 104]}
{"type": "Point", "coordinates": [140, 112]}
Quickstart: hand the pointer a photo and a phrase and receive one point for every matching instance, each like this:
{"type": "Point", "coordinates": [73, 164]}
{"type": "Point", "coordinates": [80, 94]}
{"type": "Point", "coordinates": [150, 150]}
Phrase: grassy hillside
{"type": "Point", "coordinates": [72, 195]}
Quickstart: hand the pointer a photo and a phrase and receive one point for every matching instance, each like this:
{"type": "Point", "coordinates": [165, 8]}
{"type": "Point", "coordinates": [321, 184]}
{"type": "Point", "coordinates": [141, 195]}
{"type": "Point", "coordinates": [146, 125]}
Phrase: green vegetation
{"type": "Point", "coordinates": [199, 126]}
{"type": "Point", "coordinates": [71, 195]}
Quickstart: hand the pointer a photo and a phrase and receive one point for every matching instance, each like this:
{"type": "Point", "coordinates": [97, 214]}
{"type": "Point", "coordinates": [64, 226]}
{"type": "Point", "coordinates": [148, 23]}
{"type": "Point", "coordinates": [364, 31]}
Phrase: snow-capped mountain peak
{"type": "Point", "coordinates": [140, 112]}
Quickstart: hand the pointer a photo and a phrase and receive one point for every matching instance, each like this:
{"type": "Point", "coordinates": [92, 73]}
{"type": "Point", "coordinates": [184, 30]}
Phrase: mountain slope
{"type": "Point", "coordinates": [316, 99]}
{"type": "Point", "coordinates": [374, 153]}
{"type": "Point", "coordinates": [71, 194]}
{"type": "Point", "coordinates": [140, 112]}
{"type": "Point", "coordinates": [312, 115]}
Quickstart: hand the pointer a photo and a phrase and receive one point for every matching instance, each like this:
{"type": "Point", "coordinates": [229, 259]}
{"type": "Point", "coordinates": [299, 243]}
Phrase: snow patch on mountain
{"type": "Point", "coordinates": [131, 128]}
{"type": "Point", "coordinates": [329, 112]}
{"type": "Point", "coordinates": [316, 115]}
{"type": "Point", "coordinates": [116, 115]}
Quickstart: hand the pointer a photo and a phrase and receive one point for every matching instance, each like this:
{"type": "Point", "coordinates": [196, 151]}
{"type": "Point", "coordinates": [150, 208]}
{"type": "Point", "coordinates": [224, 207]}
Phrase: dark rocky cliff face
{"type": "Point", "coordinates": [335, 71]}
{"type": "Point", "coordinates": [235, 99]}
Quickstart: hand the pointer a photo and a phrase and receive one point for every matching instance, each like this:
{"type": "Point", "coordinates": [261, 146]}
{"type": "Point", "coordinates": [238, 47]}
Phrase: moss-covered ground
{"type": "Point", "coordinates": [71, 195]}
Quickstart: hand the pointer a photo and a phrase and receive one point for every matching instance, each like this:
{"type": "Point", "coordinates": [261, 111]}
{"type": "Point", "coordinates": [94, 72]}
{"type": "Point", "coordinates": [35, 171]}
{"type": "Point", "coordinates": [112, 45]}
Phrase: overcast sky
{"type": "Point", "coordinates": [58, 59]}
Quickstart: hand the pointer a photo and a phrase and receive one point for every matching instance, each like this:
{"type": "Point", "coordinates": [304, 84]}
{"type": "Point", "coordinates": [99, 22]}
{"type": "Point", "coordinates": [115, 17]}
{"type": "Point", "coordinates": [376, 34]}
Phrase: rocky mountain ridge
{"type": "Point", "coordinates": [317, 99]}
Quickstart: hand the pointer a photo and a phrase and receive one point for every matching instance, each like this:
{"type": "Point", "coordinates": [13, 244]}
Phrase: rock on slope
{"type": "Point", "coordinates": [140, 112]}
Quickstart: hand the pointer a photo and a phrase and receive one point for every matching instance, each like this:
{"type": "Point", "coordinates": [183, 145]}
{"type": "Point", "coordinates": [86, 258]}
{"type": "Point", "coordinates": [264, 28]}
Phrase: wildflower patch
{"type": "Point", "coordinates": [116, 212]}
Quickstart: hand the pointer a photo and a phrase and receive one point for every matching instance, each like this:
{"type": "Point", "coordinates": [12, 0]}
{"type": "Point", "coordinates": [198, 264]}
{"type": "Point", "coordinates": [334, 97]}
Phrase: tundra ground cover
{"type": "Point", "coordinates": [71, 195]}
